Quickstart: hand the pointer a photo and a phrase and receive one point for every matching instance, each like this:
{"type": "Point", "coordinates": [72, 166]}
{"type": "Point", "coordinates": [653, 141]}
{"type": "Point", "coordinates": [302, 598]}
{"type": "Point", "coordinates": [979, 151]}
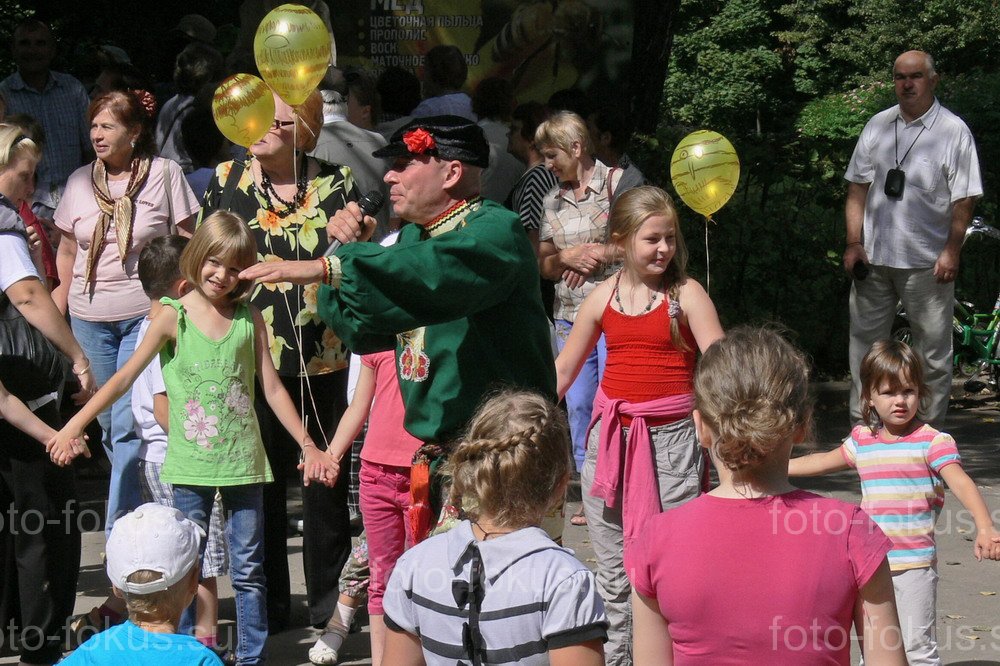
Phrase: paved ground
{"type": "Point", "coordinates": [968, 594]}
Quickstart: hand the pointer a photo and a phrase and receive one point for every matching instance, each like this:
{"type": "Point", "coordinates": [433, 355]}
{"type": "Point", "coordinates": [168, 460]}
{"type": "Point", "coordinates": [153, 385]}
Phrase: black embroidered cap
{"type": "Point", "coordinates": [444, 137]}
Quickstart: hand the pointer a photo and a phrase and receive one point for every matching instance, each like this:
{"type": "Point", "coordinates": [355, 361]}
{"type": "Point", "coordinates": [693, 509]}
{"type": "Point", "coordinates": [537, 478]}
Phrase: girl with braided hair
{"type": "Point", "coordinates": [495, 588]}
{"type": "Point", "coordinates": [654, 318]}
{"type": "Point", "coordinates": [818, 565]}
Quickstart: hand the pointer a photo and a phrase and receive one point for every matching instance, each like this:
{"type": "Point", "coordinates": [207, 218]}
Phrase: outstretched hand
{"type": "Point", "coordinates": [987, 545]}
{"type": "Point", "coordinates": [297, 272]}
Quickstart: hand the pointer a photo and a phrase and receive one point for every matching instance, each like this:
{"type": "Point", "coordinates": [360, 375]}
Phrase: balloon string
{"type": "Point", "coordinates": [708, 262]}
{"type": "Point", "coordinates": [305, 385]}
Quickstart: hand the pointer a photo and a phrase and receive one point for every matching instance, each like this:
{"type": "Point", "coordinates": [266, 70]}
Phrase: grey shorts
{"type": "Point", "coordinates": [216, 560]}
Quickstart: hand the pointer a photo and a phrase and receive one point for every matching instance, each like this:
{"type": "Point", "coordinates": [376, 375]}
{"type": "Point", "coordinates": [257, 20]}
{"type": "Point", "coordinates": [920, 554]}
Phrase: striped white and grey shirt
{"type": "Point", "coordinates": [508, 599]}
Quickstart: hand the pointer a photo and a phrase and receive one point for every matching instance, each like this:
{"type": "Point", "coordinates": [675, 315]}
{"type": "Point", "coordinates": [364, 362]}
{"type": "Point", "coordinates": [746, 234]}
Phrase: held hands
{"type": "Point", "coordinates": [987, 544]}
{"type": "Point", "coordinates": [66, 445]}
{"type": "Point", "coordinates": [318, 466]}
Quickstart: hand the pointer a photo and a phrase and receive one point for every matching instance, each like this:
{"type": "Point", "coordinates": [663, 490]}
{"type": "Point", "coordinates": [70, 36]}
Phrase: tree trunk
{"type": "Point", "coordinates": [652, 37]}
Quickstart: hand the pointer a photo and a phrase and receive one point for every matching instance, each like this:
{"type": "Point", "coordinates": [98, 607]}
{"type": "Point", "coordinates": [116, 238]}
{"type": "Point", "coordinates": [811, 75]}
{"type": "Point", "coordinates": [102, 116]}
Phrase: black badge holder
{"type": "Point", "coordinates": [895, 179]}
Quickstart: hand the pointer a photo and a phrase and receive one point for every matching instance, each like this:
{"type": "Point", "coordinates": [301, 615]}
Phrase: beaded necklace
{"type": "Point", "coordinates": [649, 306]}
{"type": "Point", "coordinates": [267, 189]}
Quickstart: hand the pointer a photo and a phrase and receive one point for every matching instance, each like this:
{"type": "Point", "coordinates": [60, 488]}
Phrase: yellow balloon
{"type": "Point", "coordinates": [293, 51]}
{"type": "Point", "coordinates": [705, 171]}
{"type": "Point", "coordinates": [243, 108]}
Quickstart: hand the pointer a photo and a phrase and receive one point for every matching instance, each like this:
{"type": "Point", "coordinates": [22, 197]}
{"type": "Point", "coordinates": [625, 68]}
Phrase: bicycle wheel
{"type": "Point", "coordinates": [901, 330]}
{"type": "Point", "coordinates": [995, 371]}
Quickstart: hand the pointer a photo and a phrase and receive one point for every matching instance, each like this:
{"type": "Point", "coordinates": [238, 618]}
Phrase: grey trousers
{"type": "Point", "coordinates": [916, 603]}
{"type": "Point", "coordinates": [679, 465]}
{"type": "Point", "coordinates": [930, 308]}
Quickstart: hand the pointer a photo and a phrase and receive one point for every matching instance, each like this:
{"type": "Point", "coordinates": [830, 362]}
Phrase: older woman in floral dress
{"type": "Point", "coordinates": [286, 197]}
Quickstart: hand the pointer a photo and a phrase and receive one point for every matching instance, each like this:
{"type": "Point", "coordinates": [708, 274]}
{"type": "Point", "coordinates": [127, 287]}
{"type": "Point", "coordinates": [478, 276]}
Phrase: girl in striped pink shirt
{"type": "Point", "coordinates": [903, 464]}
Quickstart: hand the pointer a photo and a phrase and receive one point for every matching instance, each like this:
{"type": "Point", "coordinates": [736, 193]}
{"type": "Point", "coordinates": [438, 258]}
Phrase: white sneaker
{"type": "Point", "coordinates": [323, 653]}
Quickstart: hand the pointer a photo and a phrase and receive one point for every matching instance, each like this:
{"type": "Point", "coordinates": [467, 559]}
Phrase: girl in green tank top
{"type": "Point", "coordinates": [212, 346]}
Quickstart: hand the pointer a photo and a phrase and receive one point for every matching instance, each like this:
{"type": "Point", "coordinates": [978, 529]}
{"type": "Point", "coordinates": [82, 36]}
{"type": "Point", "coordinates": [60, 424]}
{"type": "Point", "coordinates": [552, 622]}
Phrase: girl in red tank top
{"type": "Point", "coordinates": [644, 455]}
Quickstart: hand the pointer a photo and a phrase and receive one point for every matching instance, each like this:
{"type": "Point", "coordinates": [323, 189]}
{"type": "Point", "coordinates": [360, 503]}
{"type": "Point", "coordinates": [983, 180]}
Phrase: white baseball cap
{"type": "Point", "coordinates": [154, 537]}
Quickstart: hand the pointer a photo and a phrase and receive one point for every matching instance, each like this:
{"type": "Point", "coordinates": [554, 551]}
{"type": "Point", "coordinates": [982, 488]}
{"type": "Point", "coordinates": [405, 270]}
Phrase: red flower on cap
{"type": "Point", "coordinates": [419, 141]}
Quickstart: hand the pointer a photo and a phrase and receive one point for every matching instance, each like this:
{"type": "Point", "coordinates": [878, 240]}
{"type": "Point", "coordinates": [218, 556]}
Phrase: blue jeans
{"type": "Point", "coordinates": [244, 510]}
{"type": "Point", "coordinates": [108, 344]}
{"type": "Point", "coordinates": [580, 396]}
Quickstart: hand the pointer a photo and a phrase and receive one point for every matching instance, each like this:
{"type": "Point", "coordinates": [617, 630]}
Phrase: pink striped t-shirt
{"type": "Point", "coordinates": [901, 487]}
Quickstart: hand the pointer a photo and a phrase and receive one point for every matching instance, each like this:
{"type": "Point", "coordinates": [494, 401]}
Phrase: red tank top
{"type": "Point", "coordinates": [643, 363]}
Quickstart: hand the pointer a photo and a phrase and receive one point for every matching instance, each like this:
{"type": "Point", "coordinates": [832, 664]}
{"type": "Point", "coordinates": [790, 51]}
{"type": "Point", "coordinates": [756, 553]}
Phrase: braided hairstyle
{"type": "Point", "coordinates": [752, 390]}
{"type": "Point", "coordinates": [513, 460]}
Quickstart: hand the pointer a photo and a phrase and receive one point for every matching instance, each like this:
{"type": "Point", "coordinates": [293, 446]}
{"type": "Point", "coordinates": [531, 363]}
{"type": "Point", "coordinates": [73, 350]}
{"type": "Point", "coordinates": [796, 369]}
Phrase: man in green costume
{"type": "Point", "coordinates": [457, 296]}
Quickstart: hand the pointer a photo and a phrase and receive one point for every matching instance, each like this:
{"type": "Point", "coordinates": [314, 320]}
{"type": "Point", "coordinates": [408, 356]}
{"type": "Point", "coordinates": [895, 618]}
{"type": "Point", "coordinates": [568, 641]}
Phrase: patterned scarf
{"type": "Point", "coordinates": [120, 210]}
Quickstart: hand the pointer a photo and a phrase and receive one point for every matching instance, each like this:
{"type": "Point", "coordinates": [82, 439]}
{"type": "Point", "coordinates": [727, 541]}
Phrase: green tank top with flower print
{"type": "Point", "coordinates": [214, 437]}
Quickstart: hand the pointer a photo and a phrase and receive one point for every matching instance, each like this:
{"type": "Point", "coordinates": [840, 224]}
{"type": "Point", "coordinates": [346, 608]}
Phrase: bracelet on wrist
{"type": "Point", "coordinates": [327, 271]}
{"type": "Point", "coordinates": [854, 243]}
{"type": "Point", "coordinates": [84, 371]}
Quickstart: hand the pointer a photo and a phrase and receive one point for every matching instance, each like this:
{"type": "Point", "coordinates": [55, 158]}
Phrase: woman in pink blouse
{"type": "Point", "coordinates": [108, 212]}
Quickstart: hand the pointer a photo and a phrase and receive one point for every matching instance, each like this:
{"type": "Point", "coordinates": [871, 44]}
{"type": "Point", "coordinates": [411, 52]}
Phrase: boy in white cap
{"type": "Point", "coordinates": [153, 564]}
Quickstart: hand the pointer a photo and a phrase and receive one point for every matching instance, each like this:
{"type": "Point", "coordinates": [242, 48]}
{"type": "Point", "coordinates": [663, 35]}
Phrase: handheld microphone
{"type": "Point", "coordinates": [370, 204]}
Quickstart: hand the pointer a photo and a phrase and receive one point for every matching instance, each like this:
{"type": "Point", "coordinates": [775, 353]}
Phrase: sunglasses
{"type": "Point", "coordinates": [278, 124]}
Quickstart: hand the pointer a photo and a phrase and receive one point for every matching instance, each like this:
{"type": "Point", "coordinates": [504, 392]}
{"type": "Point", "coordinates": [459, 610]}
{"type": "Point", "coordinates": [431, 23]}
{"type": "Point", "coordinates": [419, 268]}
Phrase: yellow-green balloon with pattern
{"type": "Point", "coordinates": [705, 171]}
{"type": "Point", "coordinates": [243, 108]}
{"type": "Point", "coordinates": [293, 50]}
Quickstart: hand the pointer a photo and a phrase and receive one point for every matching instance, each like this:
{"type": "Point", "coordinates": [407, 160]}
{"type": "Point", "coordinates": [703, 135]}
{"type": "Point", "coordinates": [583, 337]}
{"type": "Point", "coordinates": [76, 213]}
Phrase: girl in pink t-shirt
{"type": "Point", "coordinates": [811, 567]}
{"type": "Point", "coordinates": [384, 493]}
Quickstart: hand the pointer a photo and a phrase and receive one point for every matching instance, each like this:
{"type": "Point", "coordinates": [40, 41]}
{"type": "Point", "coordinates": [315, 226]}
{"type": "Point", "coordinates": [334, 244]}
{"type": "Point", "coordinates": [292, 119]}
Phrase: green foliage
{"type": "Point", "coordinates": [723, 65]}
{"type": "Point", "coordinates": [843, 115]}
{"type": "Point", "coordinates": [791, 83]}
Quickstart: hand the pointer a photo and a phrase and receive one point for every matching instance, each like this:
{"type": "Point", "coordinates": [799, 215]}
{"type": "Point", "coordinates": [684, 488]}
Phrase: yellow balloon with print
{"type": "Point", "coordinates": [243, 108]}
{"type": "Point", "coordinates": [293, 50]}
{"type": "Point", "coordinates": [705, 171]}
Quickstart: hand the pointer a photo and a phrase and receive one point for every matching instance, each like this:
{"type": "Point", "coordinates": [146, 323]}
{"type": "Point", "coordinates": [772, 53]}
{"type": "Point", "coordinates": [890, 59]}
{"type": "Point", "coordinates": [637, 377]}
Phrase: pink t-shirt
{"type": "Point", "coordinates": [387, 443]}
{"type": "Point", "coordinates": [770, 581]}
{"type": "Point", "coordinates": [116, 293]}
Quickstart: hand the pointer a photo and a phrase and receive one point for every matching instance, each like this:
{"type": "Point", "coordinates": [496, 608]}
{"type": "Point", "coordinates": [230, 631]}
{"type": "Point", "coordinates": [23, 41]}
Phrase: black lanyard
{"type": "Point", "coordinates": [895, 135]}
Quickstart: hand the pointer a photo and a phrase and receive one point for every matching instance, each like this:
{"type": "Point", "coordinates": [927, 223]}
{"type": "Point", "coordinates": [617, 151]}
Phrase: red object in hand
{"type": "Point", "coordinates": [419, 141]}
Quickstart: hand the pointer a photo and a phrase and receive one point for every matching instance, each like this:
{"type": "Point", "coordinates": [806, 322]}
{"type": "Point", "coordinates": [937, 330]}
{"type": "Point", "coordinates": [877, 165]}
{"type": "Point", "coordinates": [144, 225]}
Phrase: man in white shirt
{"type": "Point", "coordinates": [913, 182]}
